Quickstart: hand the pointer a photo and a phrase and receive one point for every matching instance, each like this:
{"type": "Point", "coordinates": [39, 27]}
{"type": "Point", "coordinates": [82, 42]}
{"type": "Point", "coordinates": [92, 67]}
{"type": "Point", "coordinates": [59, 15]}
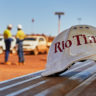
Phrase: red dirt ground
{"type": "Point", "coordinates": [32, 64]}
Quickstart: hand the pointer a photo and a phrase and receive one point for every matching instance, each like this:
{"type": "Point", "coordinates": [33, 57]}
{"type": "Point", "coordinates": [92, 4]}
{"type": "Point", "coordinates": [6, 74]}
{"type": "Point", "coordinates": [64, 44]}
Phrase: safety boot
{"type": "Point", "coordinates": [8, 63]}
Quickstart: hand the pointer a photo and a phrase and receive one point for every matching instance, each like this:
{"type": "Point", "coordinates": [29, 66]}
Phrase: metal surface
{"type": "Point", "coordinates": [73, 82]}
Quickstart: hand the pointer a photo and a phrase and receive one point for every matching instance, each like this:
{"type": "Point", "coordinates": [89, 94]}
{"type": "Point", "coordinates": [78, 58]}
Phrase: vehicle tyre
{"type": "Point", "coordinates": [1, 50]}
{"type": "Point", "coordinates": [36, 51]}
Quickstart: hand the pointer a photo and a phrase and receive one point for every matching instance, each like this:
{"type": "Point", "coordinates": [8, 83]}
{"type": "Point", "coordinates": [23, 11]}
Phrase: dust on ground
{"type": "Point", "coordinates": [32, 64]}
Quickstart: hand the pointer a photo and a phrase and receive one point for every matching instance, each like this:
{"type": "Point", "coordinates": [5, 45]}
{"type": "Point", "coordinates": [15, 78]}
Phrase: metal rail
{"type": "Point", "coordinates": [70, 83]}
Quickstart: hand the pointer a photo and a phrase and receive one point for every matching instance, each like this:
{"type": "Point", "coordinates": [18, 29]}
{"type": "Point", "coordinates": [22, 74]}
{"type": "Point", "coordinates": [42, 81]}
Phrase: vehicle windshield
{"type": "Point", "coordinates": [33, 39]}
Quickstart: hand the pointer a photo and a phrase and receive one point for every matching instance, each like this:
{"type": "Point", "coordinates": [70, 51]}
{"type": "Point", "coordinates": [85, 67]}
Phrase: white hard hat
{"type": "Point", "coordinates": [19, 26]}
{"type": "Point", "coordinates": [70, 46]}
{"type": "Point", "coordinates": [9, 26]}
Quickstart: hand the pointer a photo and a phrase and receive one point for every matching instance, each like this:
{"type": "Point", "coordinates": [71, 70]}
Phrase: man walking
{"type": "Point", "coordinates": [20, 37]}
{"type": "Point", "coordinates": [7, 39]}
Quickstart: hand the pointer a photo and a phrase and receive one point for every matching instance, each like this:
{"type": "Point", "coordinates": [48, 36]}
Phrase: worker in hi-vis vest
{"type": "Point", "coordinates": [7, 39]}
{"type": "Point", "coordinates": [20, 37]}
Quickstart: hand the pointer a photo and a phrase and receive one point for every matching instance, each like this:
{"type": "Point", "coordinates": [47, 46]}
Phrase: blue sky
{"type": "Point", "coordinates": [22, 11]}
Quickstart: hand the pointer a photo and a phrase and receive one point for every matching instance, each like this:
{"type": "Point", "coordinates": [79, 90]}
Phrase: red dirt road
{"type": "Point", "coordinates": [32, 64]}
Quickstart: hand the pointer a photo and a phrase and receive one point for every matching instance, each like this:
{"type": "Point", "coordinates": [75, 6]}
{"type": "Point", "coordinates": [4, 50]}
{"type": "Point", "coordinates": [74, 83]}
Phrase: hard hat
{"type": "Point", "coordinates": [19, 26]}
{"type": "Point", "coordinates": [9, 26]}
{"type": "Point", "coordinates": [70, 46]}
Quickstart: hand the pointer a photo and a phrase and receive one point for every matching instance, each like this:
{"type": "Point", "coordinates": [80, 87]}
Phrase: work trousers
{"type": "Point", "coordinates": [7, 48]}
{"type": "Point", "coordinates": [20, 50]}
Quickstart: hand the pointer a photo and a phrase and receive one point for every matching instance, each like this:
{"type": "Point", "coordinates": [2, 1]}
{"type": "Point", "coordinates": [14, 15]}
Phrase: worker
{"type": "Point", "coordinates": [20, 37]}
{"type": "Point", "coordinates": [7, 39]}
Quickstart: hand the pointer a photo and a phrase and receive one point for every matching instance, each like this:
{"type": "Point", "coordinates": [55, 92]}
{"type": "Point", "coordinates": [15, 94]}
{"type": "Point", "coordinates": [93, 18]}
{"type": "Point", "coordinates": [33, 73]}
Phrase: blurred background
{"type": "Point", "coordinates": [38, 16]}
